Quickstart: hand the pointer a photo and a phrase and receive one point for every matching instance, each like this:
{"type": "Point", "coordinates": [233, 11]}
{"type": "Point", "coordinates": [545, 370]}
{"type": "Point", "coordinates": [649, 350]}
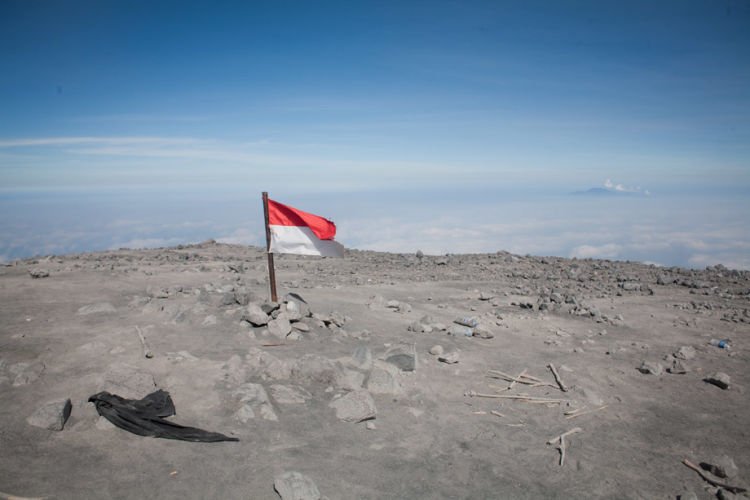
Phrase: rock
{"type": "Point", "coordinates": [384, 379]}
{"type": "Point", "coordinates": [98, 308]}
{"type": "Point", "coordinates": [630, 286]}
{"type": "Point", "coordinates": [436, 350]}
{"type": "Point", "coordinates": [723, 467]}
{"type": "Point", "coordinates": [267, 366]}
{"type": "Point", "coordinates": [486, 296]}
{"type": "Point", "coordinates": [719, 379]}
{"type": "Point", "coordinates": [255, 315]}
{"type": "Point", "coordinates": [354, 406]}
{"type": "Point", "coordinates": [268, 307]}
{"type": "Point", "coordinates": [723, 494]}
{"type": "Point", "coordinates": [301, 327]}
{"type": "Point", "coordinates": [128, 382]}
{"type": "Point", "coordinates": [362, 358]}
{"type": "Point", "coordinates": [483, 331]}
{"type": "Point", "coordinates": [38, 273]}
{"type": "Point", "coordinates": [209, 320]}
{"type": "Point", "coordinates": [295, 486]}
{"type": "Point", "coordinates": [449, 358]}
{"type": "Point", "coordinates": [392, 304]}
{"type": "Point", "coordinates": [255, 398]}
{"type": "Point", "coordinates": [650, 368]}
{"type": "Point", "coordinates": [300, 303]}
{"type": "Point", "coordinates": [469, 321]}
{"type": "Point", "coordinates": [227, 299]}
{"type": "Point", "coordinates": [292, 311]}
{"type": "Point", "coordinates": [685, 353]}
{"type": "Point", "coordinates": [51, 416]}
{"type": "Point", "coordinates": [402, 356]}
{"type": "Point", "coordinates": [677, 368]}
{"type": "Point", "coordinates": [289, 395]}
{"type": "Point", "coordinates": [460, 331]}
{"type": "Point", "coordinates": [280, 327]}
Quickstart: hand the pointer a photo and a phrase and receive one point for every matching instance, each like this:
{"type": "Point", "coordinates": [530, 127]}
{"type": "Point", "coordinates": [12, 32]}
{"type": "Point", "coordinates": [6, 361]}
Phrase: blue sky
{"type": "Point", "coordinates": [300, 98]}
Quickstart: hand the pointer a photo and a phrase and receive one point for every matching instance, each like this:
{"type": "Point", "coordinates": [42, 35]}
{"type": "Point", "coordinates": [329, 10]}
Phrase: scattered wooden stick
{"type": "Point", "coordinates": [557, 377]}
{"type": "Point", "coordinates": [513, 382]}
{"type": "Point", "coordinates": [585, 412]}
{"type": "Point", "coordinates": [520, 379]}
{"type": "Point", "coordinates": [273, 345]}
{"type": "Point", "coordinates": [146, 351]}
{"type": "Point", "coordinates": [713, 482]}
{"type": "Point", "coordinates": [521, 397]}
{"type": "Point", "coordinates": [8, 496]}
{"type": "Point", "coordinates": [497, 414]}
{"type": "Point", "coordinates": [560, 440]}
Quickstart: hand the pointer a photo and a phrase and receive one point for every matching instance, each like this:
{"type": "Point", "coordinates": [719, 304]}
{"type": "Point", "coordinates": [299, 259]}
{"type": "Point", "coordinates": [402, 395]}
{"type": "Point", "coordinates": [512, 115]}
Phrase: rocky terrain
{"type": "Point", "coordinates": [375, 376]}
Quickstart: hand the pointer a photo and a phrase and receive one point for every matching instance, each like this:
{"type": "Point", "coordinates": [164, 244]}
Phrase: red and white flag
{"type": "Point", "coordinates": [298, 232]}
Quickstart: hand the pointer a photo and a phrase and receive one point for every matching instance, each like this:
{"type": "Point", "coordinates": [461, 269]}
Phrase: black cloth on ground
{"type": "Point", "coordinates": [145, 417]}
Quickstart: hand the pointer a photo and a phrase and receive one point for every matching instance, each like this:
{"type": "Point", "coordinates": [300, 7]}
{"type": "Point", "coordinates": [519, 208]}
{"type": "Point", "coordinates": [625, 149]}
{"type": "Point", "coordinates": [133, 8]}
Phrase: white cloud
{"type": "Point", "coordinates": [243, 236]}
{"type": "Point", "coordinates": [137, 243]}
{"type": "Point", "coordinates": [607, 251]}
{"type": "Point", "coordinates": [620, 188]}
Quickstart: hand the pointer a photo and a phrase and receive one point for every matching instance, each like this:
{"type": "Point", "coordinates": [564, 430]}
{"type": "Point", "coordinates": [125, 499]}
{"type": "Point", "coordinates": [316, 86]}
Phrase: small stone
{"type": "Point", "coordinates": [402, 356]}
{"type": "Point", "coordinates": [719, 379]}
{"type": "Point", "coordinates": [293, 311]}
{"type": "Point", "coordinates": [255, 315]}
{"type": "Point", "coordinates": [469, 321]}
{"type": "Point", "coordinates": [650, 368]}
{"type": "Point", "coordinates": [51, 416]}
{"type": "Point", "coordinates": [483, 331]}
{"type": "Point", "coordinates": [436, 350]}
{"type": "Point", "coordinates": [279, 327]}
{"type": "Point", "coordinates": [723, 467]}
{"type": "Point", "coordinates": [301, 327]}
{"type": "Point", "coordinates": [268, 307]}
{"type": "Point", "coordinates": [384, 379]}
{"type": "Point", "coordinates": [460, 331]}
{"type": "Point", "coordinates": [289, 395]}
{"type": "Point", "coordinates": [209, 320]}
{"type": "Point", "coordinates": [685, 352]}
{"type": "Point", "coordinates": [354, 406]}
{"type": "Point", "coordinates": [370, 425]}
{"type": "Point", "coordinates": [295, 486]}
{"type": "Point", "coordinates": [39, 273]}
{"type": "Point", "coordinates": [677, 368]}
{"type": "Point", "coordinates": [362, 357]}
{"type": "Point", "coordinates": [450, 358]}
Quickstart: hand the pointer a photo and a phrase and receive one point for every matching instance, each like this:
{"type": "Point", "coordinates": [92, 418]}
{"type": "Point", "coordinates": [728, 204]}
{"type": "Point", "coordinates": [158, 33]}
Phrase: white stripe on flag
{"type": "Point", "coordinates": [301, 240]}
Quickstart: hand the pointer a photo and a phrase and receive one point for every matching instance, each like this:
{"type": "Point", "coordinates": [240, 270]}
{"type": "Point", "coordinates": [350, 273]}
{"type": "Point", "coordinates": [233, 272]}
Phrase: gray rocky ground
{"type": "Point", "coordinates": [375, 376]}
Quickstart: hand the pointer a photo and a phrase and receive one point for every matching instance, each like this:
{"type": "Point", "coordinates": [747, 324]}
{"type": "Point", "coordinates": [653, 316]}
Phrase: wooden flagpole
{"type": "Point", "coordinates": [271, 271]}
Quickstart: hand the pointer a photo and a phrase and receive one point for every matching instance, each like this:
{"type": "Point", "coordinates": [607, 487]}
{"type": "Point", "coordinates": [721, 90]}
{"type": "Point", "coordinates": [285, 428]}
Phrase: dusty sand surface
{"type": "Point", "coordinates": [73, 333]}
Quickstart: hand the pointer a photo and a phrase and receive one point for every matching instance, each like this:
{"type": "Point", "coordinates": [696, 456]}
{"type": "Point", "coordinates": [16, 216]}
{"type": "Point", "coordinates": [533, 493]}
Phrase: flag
{"type": "Point", "coordinates": [298, 232]}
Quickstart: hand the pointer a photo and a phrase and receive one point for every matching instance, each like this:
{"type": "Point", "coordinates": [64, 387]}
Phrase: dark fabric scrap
{"type": "Point", "coordinates": [145, 417]}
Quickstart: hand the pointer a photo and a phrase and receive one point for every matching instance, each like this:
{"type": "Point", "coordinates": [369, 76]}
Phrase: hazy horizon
{"type": "Point", "coordinates": [669, 229]}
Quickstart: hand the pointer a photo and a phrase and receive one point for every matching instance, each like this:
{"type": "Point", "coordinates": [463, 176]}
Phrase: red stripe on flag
{"type": "Point", "coordinates": [284, 215]}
